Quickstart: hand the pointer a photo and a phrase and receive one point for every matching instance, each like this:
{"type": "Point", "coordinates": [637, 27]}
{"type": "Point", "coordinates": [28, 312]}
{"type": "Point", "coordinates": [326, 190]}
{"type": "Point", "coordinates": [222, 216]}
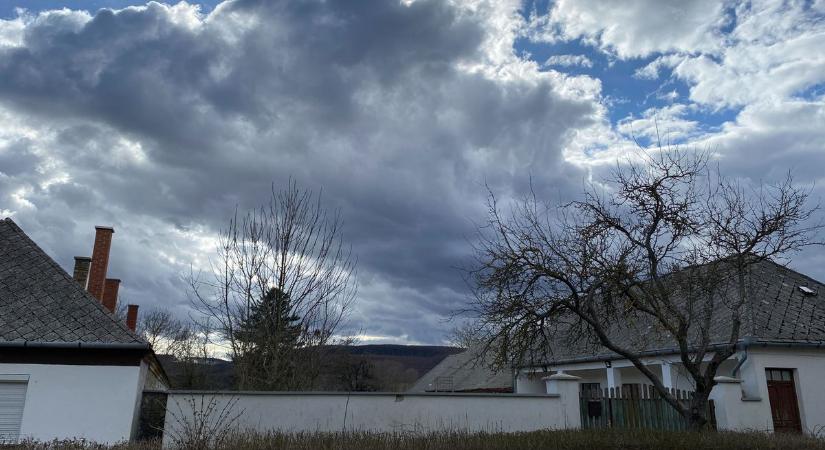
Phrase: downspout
{"type": "Point", "coordinates": [746, 342]}
{"type": "Point", "coordinates": [515, 380]}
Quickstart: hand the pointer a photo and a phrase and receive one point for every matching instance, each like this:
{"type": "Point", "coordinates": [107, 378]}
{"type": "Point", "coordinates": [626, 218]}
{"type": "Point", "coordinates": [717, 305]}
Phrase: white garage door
{"type": "Point", "coordinates": [12, 398]}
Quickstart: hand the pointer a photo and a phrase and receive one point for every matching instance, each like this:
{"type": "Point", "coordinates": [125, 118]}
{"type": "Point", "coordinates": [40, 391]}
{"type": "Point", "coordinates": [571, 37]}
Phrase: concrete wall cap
{"type": "Point", "coordinates": [562, 377]}
{"type": "Point", "coordinates": [723, 379]}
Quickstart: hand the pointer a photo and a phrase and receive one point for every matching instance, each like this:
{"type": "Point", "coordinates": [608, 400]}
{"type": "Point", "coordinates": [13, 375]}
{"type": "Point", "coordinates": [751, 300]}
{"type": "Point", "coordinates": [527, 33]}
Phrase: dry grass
{"type": "Point", "coordinates": [484, 441]}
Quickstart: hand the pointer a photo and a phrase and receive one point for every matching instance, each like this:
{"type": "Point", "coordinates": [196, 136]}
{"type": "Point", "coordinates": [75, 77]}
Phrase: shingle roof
{"type": "Point", "coordinates": [776, 311]}
{"type": "Point", "coordinates": [780, 311]}
{"type": "Point", "coordinates": [40, 303]}
{"type": "Point", "coordinates": [464, 372]}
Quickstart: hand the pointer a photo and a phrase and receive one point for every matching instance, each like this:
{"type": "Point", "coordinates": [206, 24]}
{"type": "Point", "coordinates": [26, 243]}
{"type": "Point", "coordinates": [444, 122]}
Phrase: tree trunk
{"type": "Point", "coordinates": [697, 413]}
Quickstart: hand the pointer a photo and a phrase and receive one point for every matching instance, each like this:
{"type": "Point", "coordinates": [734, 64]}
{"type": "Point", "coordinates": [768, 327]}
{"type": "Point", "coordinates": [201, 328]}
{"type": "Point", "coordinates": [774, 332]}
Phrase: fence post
{"type": "Point", "coordinates": [567, 387]}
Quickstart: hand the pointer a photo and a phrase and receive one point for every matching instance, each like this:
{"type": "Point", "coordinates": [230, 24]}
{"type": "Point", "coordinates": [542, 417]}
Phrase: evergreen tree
{"type": "Point", "coordinates": [272, 334]}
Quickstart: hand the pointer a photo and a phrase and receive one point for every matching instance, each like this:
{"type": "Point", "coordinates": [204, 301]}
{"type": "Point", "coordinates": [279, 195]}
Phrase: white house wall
{"type": "Point", "coordinates": [530, 383]}
{"type": "Point", "coordinates": [144, 376]}
{"type": "Point", "coordinates": [73, 401]}
{"type": "Point", "coordinates": [809, 371]}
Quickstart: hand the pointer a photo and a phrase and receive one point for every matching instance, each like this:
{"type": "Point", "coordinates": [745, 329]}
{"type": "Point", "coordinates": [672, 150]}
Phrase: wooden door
{"type": "Point", "coordinates": [782, 395]}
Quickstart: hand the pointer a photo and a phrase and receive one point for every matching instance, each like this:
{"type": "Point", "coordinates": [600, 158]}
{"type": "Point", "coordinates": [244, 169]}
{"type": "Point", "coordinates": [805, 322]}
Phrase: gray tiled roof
{"type": "Point", "coordinates": [40, 303]}
{"type": "Point", "coordinates": [781, 312]}
{"type": "Point", "coordinates": [464, 372]}
{"type": "Point", "coordinates": [776, 311]}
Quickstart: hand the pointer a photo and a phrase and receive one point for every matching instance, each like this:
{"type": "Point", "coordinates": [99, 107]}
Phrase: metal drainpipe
{"type": "Point", "coordinates": [515, 380]}
{"type": "Point", "coordinates": [746, 342]}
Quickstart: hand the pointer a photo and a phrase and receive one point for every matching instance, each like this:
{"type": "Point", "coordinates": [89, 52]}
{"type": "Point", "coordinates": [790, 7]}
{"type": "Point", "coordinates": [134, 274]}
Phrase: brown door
{"type": "Point", "coordinates": [782, 395]}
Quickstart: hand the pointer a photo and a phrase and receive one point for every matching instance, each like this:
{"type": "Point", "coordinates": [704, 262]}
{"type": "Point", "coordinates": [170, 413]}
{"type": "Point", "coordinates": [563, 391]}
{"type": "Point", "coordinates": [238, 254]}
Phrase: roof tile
{"type": "Point", "coordinates": [40, 302]}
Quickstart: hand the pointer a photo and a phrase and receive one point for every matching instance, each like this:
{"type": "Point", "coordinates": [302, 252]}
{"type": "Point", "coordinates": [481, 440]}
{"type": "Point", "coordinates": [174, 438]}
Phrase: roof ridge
{"type": "Point", "coordinates": [794, 271]}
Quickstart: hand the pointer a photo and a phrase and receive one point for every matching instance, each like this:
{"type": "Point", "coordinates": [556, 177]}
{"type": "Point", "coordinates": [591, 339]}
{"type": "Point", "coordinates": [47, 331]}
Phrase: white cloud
{"type": "Point", "coordinates": [769, 139]}
{"type": "Point", "coordinates": [775, 52]}
{"type": "Point", "coordinates": [568, 61]}
{"type": "Point", "coordinates": [653, 69]}
{"type": "Point", "coordinates": [11, 32]}
{"type": "Point", "coordinates": [666, 124]}
{"type": "Point", "coordinates": [634, 28]}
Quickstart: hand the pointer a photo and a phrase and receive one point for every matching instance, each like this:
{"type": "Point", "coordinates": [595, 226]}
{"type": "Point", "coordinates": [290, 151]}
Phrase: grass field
{"type": "Point", "coordinates": [460, 441]}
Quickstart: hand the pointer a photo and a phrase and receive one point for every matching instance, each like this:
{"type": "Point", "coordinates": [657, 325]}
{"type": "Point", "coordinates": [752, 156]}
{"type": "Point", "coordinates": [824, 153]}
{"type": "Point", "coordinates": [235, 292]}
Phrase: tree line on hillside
{"type": "Point", "coordinates": [190, 364]}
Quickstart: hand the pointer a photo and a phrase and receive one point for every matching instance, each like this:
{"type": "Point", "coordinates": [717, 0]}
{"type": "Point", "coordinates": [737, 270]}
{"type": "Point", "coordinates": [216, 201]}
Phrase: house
{"type": "Point", "coordinates": [780, 357]}
{"type": "Point", "coordinates": [464, 372]}
{"type": "Point", "coordinates": [68, 367]}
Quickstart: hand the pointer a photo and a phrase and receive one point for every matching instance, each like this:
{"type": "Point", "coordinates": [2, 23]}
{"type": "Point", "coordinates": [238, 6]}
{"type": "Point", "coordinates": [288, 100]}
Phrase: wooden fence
{"type": "Point", "coordinates": [634, 406]}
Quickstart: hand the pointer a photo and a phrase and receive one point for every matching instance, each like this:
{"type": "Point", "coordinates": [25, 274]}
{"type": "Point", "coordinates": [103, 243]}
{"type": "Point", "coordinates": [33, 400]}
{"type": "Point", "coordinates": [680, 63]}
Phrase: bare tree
{"type": "Point", "coordinates": [465, 335]}
{"type": "Point", "coordinates": [160, 328]}
{"type": "Point", "coordinates": [200, 421]}
{"type": "Point", "coordinates": [186, 342]}
{"type": "Point", "coordinates": [662, 257]}
{"type": "Point", "coordinates": [294, 248]}
{"type": "Point", "coordinates": [190, 348]}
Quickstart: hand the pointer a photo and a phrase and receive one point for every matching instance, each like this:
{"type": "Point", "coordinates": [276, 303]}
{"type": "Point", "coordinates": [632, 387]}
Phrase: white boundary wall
{"type": "Point", "coordinates": [377, 412]}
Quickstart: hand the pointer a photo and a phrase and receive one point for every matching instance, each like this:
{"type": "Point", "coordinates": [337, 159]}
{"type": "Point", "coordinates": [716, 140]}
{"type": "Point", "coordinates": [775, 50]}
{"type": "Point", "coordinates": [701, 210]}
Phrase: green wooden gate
{"type": "Point", "coordinates": [634, 407]}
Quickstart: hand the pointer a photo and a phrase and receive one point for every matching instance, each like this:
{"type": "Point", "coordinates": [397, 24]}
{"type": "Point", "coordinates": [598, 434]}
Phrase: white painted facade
{"type": "Point", "coordinates": [742, 404]}
{"type": "Point", "coordinates": [98, 403]}
{"type": "Point", "coordinates": [808, 367]}
{"type": "Point", "coordinates": [382, 412]}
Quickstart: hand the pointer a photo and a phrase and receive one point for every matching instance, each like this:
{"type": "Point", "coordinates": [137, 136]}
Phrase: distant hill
{"type": "Point", "coordinates": [393, 367]}
{"type": "Point", "coordinates": [427, 351]}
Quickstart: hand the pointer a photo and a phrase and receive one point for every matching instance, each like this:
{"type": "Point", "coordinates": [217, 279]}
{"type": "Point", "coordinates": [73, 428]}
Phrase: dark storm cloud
{"type": "Point", "coordinates": [160, 122]}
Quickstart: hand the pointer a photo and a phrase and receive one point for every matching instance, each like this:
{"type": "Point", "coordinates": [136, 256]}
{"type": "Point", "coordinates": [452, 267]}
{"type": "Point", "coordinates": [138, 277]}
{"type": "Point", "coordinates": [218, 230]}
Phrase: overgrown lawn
{"type": "Point", "coordinates": [636, 439]}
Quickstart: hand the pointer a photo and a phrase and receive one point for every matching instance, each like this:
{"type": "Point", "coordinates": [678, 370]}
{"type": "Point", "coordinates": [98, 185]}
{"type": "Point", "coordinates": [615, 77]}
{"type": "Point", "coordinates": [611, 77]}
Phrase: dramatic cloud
{"type": "Point", "coordinates": [160, 119]}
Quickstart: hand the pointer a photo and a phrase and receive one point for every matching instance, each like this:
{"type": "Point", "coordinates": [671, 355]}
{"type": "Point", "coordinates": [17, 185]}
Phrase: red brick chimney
{"type": "Point", "coordinates": [131, 317]}
{"type": "Point", "coordinates": [81, 270]}
{"type": "Point", "coordinates": [100, 261]}
{"type": "Point", "coordinates": [112, 285]}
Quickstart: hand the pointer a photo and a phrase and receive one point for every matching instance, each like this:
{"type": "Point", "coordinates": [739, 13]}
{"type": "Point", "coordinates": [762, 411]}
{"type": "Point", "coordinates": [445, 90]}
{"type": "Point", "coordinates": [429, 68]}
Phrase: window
{"type": "Point", "coordinates": [779, 374]}
{"type": "Point", "coordinates": [807, 291]}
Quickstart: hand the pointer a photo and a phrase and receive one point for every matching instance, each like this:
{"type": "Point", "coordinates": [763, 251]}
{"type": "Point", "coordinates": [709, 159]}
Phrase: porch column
{"type": "Point", "coordinates": [614, 377]}
{"type": "Point", "coordinates": [566, 387]}
{"type": "Point", "coordinates": [667, 377]}
{"type": "Point", "coordinates": [727, 397]}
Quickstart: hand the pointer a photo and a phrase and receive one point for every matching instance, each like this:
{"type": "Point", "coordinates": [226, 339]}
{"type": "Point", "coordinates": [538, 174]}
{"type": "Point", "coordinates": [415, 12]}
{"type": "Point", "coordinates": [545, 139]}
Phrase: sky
{"type": "Point", "coordinates": [159, 119]}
